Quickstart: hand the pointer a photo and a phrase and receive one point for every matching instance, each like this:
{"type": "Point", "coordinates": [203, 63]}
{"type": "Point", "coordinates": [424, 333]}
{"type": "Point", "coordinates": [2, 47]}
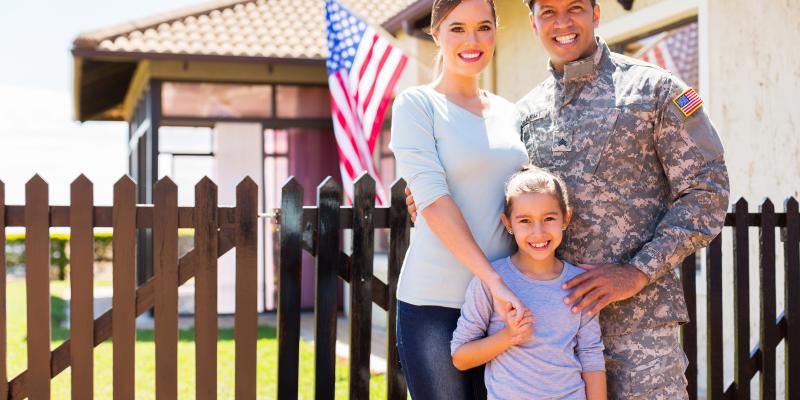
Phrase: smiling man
{"type": "Point", "coordinates": [646, 172]}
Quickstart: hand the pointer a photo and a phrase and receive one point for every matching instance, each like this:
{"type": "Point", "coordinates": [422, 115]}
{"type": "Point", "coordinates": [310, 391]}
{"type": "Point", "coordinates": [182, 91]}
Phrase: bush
{"type": "Point", "coordinates": [59, 259]}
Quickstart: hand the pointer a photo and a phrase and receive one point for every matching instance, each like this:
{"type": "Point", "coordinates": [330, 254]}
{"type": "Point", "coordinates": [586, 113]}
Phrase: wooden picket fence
{"type": "Point", "coordinates": [773, 329]}
{"type": "Point", "coordinates": [318, 230]}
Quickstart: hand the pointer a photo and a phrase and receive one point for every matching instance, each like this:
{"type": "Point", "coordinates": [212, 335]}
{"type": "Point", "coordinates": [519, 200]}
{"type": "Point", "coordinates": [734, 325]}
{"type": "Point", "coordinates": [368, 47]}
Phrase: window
{"type": "Point", "coordinates": [220, 100]}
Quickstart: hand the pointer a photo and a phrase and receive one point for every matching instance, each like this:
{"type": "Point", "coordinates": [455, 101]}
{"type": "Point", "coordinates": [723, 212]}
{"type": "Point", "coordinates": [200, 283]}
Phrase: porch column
{"type": "Point", "coordinates": [238, 152]}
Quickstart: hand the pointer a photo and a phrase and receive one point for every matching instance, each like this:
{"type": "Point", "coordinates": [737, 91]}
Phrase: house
{"type": "Point", "coordinates": [248, 77]}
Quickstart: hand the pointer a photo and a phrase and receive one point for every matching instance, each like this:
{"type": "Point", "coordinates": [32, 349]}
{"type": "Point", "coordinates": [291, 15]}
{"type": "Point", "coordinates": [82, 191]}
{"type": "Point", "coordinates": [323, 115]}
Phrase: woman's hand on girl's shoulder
{"type": "Point", "coordinates": [505, 300]}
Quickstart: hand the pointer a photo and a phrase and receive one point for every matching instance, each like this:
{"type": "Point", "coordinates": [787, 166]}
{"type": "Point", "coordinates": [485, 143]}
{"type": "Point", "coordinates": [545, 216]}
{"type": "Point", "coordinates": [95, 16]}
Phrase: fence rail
{"type": "Point", "coordinates": [318, 230]}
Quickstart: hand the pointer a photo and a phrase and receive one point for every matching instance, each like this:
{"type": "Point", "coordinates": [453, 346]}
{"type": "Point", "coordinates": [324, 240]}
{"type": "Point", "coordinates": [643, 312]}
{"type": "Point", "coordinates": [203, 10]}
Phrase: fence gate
{"type": "Point", "coordinates": [217, 230]}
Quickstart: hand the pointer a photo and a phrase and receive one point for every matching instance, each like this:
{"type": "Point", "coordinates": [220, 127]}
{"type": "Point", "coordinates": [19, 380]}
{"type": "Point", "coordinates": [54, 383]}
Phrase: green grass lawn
{"type": "Point", "coordinates": [145, 357]}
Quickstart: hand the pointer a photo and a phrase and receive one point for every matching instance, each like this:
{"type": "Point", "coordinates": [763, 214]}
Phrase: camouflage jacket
{"type": "Point", "coordinates": [648, 184]}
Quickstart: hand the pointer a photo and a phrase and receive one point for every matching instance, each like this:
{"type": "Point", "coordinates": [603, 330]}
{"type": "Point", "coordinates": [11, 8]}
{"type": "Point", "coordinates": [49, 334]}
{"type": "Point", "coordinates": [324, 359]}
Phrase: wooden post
{"type": "Point", "coordinates": [791, 259]}
{"type": "Point", "coordinates": [37, 280]}
{"type": "Point", "coordinates": [246, 331]}
{"type": "Point", "coordinates": [325, 300]}
{"type": "Point", "coordinates": [165, 263]}
{"type": "Point", "coordinates": [399, 239]}
{"type": "Point", "coordinates": [81, 265]}
{"type": "Point", "coordinates": [205, 295]}
{"type": "Point", "coordinates": [361, 286]}
{"type": "Point", "coordinates": [741, 302]}
{"type": "Point", "coordinates": [714, 382]}
{"type": "Point", "coordinates": [769, 331]}
{"type": "Point", "coordinates": [689, 330]}
{"type": "Point", "coordinates": [123, 323]}
{"type": "Point", "coordinates": [291, 234]}
{"type": "Point", "coordinates": [3, 334]}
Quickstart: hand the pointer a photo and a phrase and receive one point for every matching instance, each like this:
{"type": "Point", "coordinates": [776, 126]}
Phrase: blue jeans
{"type": "Point", "coordinates": [423, 341]}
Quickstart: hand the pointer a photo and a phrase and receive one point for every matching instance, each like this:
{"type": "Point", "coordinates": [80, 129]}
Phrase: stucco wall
{"type": "Point", "coordinates": [754, 82]}
{"type": "Point", "coordinates": [421, 57]}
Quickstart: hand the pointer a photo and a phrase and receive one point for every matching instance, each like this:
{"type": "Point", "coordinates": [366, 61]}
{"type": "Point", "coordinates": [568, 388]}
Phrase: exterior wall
{"type": "Point", "coordinates": [520, 62]}
{"type": "Point", "coordinates": [421, 57]}
{"type": "Point", "coordinates": [754, 83]}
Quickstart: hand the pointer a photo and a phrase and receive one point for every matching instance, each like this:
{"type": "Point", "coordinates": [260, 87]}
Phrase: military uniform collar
{"type": "Point", "coordinates": [585, 68]}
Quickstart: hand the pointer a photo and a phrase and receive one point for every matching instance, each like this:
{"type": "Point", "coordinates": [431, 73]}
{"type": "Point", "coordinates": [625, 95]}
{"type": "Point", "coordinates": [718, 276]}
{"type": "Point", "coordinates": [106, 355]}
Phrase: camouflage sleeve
{"type": "Point", "coordinates": [691, 155]}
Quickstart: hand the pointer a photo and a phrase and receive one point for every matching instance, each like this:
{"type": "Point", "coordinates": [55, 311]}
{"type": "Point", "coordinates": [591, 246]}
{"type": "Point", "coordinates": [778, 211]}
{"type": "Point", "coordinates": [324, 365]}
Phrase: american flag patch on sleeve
{"type": "Point", "coordinates": [688, 102]}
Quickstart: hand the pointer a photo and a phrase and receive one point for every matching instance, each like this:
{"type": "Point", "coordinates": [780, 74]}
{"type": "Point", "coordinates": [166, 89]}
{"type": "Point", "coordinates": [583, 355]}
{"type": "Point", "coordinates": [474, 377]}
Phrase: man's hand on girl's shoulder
{"type": "Point", "coordinates": [602, 285]}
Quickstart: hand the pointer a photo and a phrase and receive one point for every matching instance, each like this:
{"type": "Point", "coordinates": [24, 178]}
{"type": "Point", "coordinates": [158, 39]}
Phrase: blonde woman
{"type": "Point", "coordinates": [455, 145]}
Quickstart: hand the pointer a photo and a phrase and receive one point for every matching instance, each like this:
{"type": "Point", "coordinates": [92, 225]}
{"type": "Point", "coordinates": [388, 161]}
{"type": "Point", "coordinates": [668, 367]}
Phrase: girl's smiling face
{"type": "Point", "coordinates": [537, 224]}
{"type": "Point", "coordinates": [466, 38]}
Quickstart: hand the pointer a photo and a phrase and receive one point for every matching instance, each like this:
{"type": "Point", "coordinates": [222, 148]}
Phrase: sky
{"type": "Point", "coordinates": [37, 132]}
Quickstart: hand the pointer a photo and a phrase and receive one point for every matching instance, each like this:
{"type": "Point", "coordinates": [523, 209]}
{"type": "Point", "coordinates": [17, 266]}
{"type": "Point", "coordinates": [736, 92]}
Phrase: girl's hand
{"type": "Point", "coordinates": [521, 332]}
{"type": "Point", "coordinates": [505, 300]}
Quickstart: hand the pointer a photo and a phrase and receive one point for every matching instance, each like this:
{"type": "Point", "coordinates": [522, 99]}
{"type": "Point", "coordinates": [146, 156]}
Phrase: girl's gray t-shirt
{"type": "Point", "coordinates": [443, 149]}
{"type": "Point", "coordinates": [564, 344]}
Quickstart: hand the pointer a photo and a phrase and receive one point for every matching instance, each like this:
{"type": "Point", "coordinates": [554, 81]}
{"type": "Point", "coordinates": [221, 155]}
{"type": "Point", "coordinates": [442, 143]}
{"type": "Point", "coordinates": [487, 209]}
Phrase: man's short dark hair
{"type": "Point", "coordinates": [529, 3]}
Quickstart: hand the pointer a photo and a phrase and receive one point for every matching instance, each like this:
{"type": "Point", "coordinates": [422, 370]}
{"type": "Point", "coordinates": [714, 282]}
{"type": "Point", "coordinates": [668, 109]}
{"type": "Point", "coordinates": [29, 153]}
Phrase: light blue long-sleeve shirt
{"type": "Point", "coordinates": [564, 344]}
{"type": "Point", "coordinates": [443, 149]}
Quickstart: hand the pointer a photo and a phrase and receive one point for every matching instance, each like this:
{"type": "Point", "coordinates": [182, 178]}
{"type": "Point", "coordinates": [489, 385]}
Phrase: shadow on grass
{"type": "Point", "coordinates": [58, 317]}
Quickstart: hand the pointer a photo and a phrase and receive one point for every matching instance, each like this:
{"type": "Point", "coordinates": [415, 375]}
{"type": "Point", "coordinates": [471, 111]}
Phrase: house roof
{"type": "Point", "coordinates": [262, 29]}
{"type": "Point", "coordinates": [231, 31]}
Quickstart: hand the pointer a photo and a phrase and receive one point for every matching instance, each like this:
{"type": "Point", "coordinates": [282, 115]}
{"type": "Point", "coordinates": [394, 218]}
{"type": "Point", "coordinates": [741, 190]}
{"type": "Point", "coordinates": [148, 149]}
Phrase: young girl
{"type": "Point", "coordinates": [560, 356]}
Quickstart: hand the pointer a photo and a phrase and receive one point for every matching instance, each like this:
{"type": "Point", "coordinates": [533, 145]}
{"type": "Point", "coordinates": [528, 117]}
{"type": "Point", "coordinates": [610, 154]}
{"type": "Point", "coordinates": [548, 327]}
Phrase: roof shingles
{"type": "Point", "coordinates": [253, 28]}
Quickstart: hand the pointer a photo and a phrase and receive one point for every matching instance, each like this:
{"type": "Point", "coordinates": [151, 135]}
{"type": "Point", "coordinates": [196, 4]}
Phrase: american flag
{"type": "Point", "coordinates": [688, 102]}
{"type": "Point", "coordinates": [675, 51]}
{"type": "Point", "coordinates": [363, 69]}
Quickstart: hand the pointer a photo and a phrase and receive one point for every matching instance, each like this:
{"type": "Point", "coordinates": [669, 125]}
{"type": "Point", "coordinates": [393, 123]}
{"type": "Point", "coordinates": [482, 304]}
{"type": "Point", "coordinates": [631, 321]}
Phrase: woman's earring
{"type": "Point", "coordinates": [509, 232]}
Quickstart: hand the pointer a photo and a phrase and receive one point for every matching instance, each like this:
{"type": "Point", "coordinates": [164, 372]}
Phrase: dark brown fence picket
{"type": "Point", "coordinates": [325, 301]}
{"type": "Point", "coordinates": [3, 324]}
{"type": "Point", "coordinates": [768, 332]}
{"type": "Point", "coordinates": [246, 322]}
{"type": "Point", "coordinates": [165, 267]}
{"type": "Point", "coordinates": [205, 284]}
{"type": "Point", "coordinates": [81, 303]}
{"type": "Point", "coordinates": [123, 305]}
{"type": "Point", "coordinates": [714, 382]}
{"type": "Point", "coordinates": [791, 259]}
{"type": "Point", "coordinates": [399, 236]}
{"type": "Point", "coordinates": [689, 330]}
{"type": "Point", "coordinates": [741, 301]}
{"type": "Point", "coordinates": [289, 278]}
{"type": "Point", "coordinates": [37, 280]}
{"type": "Point", "coordinates": [361, 286]}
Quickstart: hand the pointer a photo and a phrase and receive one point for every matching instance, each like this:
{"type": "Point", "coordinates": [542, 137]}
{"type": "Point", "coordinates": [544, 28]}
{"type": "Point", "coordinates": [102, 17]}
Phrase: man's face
{"type": "Point", "coordinates": [565, 28]}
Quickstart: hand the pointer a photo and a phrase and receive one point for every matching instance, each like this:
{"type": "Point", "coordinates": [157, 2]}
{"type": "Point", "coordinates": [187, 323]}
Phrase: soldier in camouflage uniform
{"type": "Point", "coordinates": [649, 186]}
